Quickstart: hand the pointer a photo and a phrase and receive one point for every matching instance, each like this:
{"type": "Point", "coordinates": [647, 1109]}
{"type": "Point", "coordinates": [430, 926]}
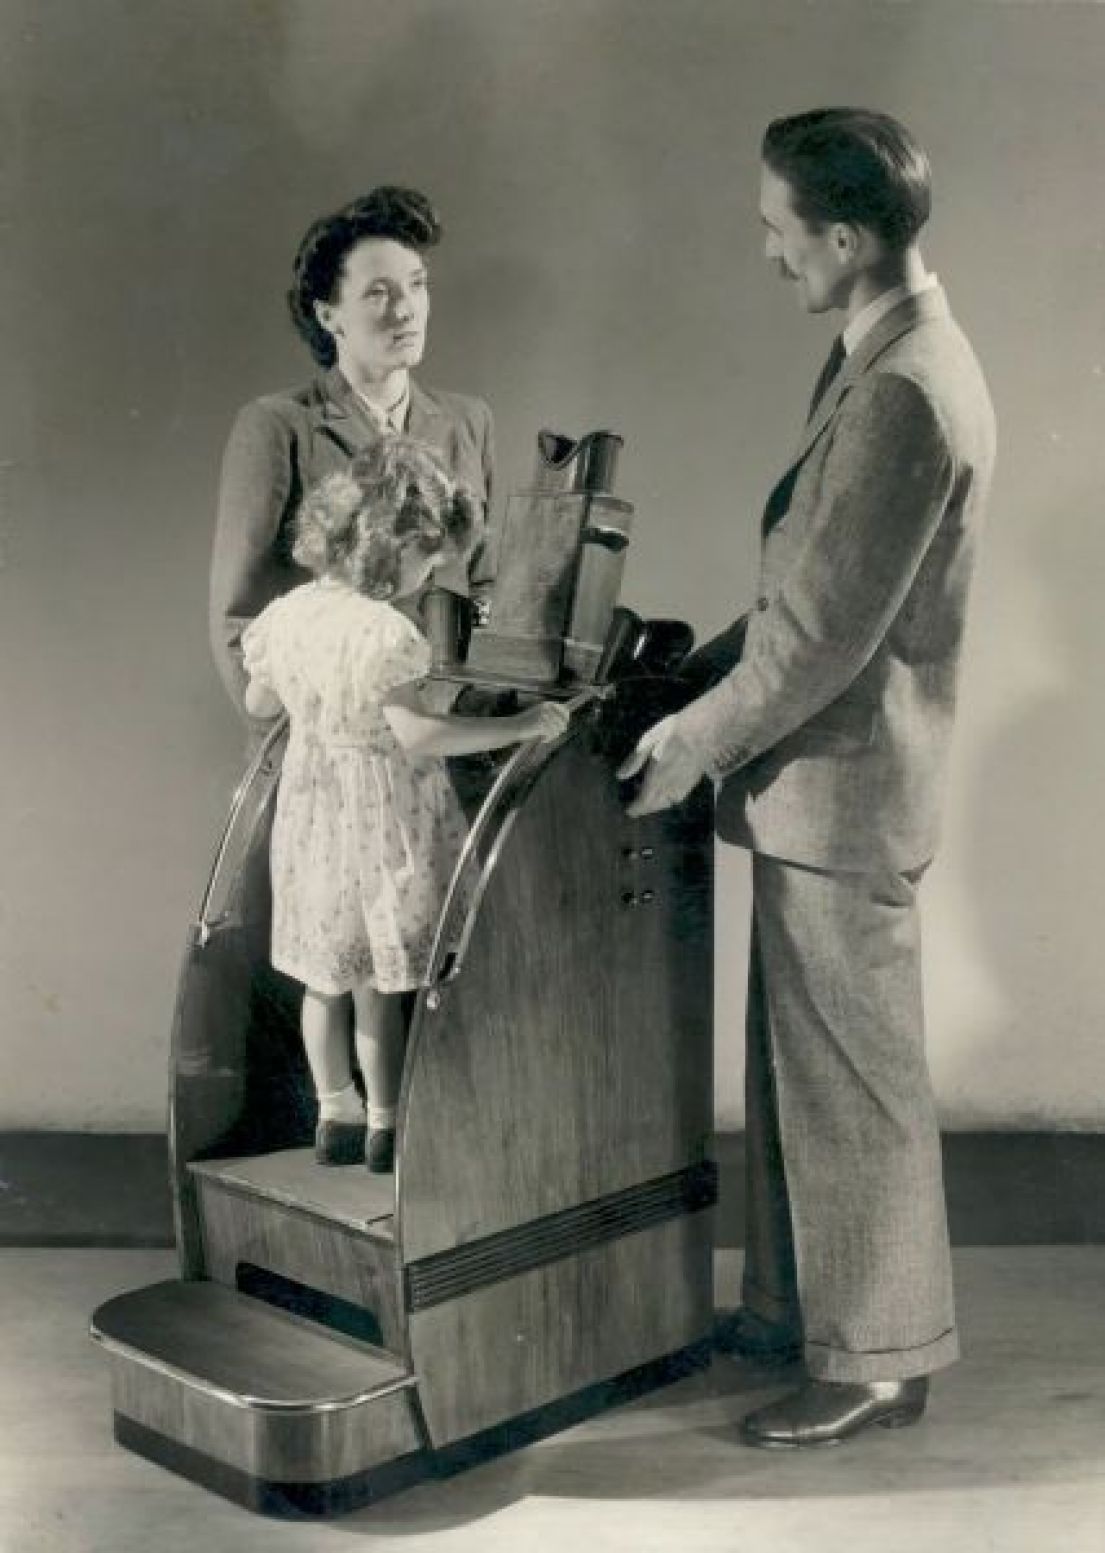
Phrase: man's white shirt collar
{"type": "Point", "coordinates": [864, 322]}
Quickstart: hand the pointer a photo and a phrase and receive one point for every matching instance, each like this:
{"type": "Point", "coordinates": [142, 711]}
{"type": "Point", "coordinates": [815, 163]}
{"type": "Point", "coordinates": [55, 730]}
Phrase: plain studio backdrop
{"type": "Point", "coordinates": [596, 163]}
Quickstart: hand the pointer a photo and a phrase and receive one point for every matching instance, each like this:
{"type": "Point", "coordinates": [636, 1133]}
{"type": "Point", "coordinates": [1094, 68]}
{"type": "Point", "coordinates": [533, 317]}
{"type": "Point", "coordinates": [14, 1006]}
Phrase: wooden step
{"type": "Point", "coordinates": [328, 1228]}
{"type": "Point", "coordinates": [344, 1194]}
{"type": "Point", "coordinates": [271, 1410]}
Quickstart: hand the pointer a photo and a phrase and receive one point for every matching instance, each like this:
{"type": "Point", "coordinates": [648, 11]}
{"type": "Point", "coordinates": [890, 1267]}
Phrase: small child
{"type": "Point", "coordinates": [367, 829]}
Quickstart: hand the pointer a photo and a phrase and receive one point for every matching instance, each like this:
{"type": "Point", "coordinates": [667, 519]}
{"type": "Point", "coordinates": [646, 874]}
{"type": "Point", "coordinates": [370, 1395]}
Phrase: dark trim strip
{"type": "Point", "coordinates": [447, 1275]}
{"type": "Point", "coordinates": [334, 1496]}
{"type": "Point", "coordinates": [527, 1428]}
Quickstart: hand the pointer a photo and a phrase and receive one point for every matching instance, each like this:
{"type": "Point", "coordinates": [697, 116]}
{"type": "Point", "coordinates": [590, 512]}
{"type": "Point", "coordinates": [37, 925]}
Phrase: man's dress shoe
{"type": "Point", "coordinates": [753, 1337]}
{"type": "Point", "coordinates": [829, 1412]}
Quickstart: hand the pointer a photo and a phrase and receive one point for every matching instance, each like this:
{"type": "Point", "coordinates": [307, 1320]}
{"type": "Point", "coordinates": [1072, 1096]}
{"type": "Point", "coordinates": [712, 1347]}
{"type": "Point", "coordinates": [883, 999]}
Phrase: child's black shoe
{"type": "Point", "coordinates": [339, 1143]}
{"type": "Point", "coordinates": [380, 1150]}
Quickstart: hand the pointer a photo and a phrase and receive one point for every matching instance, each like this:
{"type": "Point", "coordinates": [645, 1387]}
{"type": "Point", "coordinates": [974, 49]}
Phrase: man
{"type": "Point", "coordinates": [827, 725]}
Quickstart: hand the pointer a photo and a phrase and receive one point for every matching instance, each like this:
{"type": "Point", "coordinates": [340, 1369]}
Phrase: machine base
{"type": "Point", "coordinates": [341, 1496]}
{"type": "Point", "coordinates": [289, 1501]}
{"type": "Point", "coordinates": [568, 1411]}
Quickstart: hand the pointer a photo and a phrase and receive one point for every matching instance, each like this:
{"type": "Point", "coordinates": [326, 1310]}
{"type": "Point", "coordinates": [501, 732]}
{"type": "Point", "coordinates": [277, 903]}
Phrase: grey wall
{"type": "Point", "coordinates": [596, 161]}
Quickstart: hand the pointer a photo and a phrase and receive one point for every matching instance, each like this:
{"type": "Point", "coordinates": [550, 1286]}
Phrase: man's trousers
{"type": "Point", "coordinates": [847, 1229]}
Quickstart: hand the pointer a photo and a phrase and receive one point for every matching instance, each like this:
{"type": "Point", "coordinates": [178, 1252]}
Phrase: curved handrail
{"type": "Point", "coordinates": [265, 765]}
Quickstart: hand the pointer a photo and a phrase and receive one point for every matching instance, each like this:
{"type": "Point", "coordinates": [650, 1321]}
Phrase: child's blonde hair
{"type": "Point", "coordinates": [395, 495]}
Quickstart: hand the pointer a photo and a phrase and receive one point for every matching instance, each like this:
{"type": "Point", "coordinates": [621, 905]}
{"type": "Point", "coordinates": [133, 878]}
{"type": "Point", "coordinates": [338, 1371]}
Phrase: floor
{"type": "Point", "coordinates": [1010, 1459]}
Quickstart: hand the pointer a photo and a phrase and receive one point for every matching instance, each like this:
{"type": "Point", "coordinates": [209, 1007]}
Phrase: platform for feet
{"type": "Point", "coordinates": [269, 1409]}
{"type": "Point", "coordinates": [345, 1194]}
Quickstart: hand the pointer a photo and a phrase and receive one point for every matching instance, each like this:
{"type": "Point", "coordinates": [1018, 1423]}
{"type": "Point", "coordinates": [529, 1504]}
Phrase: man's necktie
{"type": "Point", "coordinates": [835, 360]}
{"type": "Point", "coordinates": [779, 500]}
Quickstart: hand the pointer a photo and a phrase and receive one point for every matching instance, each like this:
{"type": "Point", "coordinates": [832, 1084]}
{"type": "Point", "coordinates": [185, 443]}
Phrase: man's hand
{"type": "Point", "coordinates": [672, 768]}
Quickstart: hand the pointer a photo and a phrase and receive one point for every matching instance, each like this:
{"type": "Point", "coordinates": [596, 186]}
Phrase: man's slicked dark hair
{"type": "Point", "coordinates": [403, 215]}
{"type": "Point", "coordinates": [853, 165]}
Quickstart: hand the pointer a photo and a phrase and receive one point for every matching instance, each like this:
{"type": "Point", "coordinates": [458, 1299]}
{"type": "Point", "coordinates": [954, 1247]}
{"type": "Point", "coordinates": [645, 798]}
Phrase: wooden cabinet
{"type": "Point", "coordinates": [544, 1245]}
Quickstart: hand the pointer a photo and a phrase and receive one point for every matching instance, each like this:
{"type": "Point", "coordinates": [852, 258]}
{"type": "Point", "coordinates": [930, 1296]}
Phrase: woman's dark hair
{"type": "Point", "coordinates": [403, 215]}
{"type": "Point", "coordinates": [395, 495]}
{"type": "Point", "coordinates": [854, 165]}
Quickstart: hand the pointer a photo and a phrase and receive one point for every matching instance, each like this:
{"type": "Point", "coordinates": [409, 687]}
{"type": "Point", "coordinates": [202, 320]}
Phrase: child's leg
{"type": "Point", "coordinates": [325, 1023]}
{"type": "Point", "coordinates": [381, 1036]}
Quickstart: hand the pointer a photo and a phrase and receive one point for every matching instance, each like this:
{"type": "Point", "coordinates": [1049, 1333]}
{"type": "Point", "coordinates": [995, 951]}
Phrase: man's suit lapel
{"type": "Point", "coordinates": [899, 321]}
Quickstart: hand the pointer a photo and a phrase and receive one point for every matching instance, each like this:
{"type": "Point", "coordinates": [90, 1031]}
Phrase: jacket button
{"type": "Point", "coordinates": [763, 602]}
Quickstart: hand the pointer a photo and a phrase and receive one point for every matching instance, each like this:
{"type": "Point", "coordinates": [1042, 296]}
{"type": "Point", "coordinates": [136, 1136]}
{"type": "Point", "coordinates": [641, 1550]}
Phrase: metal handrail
{"type": "Point", "coordinates": [261, 765]}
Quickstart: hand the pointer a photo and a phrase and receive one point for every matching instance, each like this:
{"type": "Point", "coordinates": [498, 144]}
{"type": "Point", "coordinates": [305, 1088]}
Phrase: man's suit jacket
{"type": "Point", "coordinates": [832, 729]}
{"type": "Point", "coordinates": [279, 447]}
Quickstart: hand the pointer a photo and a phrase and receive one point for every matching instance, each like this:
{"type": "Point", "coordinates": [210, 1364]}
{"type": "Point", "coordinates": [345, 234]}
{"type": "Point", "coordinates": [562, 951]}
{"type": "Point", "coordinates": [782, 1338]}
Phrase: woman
{"type": "Point", "coordinates": [360, 299]}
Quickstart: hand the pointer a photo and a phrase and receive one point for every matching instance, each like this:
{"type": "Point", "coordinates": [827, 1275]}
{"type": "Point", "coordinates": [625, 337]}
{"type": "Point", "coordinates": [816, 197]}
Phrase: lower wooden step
{"type": "Point", "coordinates": [265, 1408]}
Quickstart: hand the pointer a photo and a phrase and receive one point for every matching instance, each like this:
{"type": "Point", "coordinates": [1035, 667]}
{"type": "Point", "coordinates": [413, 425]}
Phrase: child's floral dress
{"type": "Point", "coordinates": [365, 837]}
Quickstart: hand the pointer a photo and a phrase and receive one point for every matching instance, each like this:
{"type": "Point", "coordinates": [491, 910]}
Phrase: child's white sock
{"type": "Point", "coordinates": [341, 1105]}
{"type": "Point", "coordinates": [381, 1116]}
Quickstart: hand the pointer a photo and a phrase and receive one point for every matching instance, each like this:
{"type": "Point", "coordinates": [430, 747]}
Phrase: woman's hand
{"type": "Point", "coordinates": [546, 721]}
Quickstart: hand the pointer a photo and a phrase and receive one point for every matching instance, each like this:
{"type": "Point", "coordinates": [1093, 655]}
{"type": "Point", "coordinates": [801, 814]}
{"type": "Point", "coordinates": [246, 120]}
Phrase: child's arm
{"type": "Point", "coordinates": [258, 696]}
{"type": "Point", "coordinates": [441, 733]}
{"type": "Point", "coordinates": [261, 701]}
